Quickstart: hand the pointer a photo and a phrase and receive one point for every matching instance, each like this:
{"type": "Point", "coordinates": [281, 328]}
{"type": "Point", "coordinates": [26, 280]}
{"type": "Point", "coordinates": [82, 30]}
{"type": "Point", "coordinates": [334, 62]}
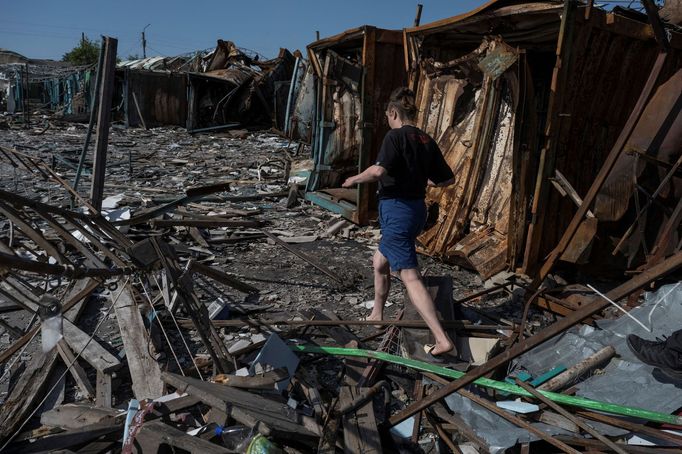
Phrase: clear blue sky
{"type": "Point", "coordinates": [48, 29]}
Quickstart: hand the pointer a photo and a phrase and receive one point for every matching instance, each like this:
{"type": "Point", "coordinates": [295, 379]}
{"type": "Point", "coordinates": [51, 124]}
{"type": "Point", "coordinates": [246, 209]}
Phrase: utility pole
{"type": "Point", "coordinates": [418, 16]}
{"type": "Point", "coordinates": [144, 42]}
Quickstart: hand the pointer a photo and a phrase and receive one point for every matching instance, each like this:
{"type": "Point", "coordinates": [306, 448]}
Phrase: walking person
{"type": "Point", "coordinates": [409, 160]}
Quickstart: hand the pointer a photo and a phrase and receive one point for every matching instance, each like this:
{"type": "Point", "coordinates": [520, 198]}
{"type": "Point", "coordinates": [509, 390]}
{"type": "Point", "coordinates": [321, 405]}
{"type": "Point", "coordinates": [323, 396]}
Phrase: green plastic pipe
{"type": "Point", "coordinates": [574, 401]}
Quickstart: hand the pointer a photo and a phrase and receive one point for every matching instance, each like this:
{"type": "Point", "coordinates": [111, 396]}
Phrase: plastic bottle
{"type": "Point", "coordinates": [244, 440]}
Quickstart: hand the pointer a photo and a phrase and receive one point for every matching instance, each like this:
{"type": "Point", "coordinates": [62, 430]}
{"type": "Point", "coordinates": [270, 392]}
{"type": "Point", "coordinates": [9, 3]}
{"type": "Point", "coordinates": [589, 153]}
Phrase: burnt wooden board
{"type": "Point", "coordinates": [269, 417]}
{"type": "Point", "coordinates": [360, 433]}
{"type": "Point", "coordinates": [145, 372]}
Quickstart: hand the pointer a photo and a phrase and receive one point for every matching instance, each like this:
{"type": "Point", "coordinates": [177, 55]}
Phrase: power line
{"type": "Point", "coordinates": [96, 30]}
{"type": "Point", "coordinates": [41, 35]}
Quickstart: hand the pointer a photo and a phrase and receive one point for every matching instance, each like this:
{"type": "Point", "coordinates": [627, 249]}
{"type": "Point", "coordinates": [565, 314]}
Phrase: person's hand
{"type": "Point", "coordinates": [350, 182]}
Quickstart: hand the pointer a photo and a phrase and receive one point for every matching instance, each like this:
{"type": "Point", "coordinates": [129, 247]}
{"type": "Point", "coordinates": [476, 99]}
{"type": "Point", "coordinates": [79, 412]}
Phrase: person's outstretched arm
{"type": "Point", "coordinates": [370, 175]}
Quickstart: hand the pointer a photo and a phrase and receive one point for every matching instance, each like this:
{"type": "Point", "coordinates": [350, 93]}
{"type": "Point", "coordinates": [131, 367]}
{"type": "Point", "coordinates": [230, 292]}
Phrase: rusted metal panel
{"type": "Point", "coordinates": [161, 97]}
{"type": "Point", "coordinates": [473, 121]}
{"type": "Point", "coordinates": [605, 72]}
{"type": "Point", "coordinates": [614, 198]}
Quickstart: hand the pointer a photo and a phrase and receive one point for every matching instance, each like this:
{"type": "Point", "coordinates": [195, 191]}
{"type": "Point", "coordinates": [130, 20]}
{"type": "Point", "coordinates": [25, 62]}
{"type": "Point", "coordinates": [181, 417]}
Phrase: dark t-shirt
{"type": "Point", "coordinates": [410, 158]}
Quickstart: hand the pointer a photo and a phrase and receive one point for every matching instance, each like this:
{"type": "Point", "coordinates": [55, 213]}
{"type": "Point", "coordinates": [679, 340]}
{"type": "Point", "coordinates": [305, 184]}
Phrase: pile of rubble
{"type": "Point", "coordinates": [208, 293]}
{"type": "Point", "coordinates": [209, 309]}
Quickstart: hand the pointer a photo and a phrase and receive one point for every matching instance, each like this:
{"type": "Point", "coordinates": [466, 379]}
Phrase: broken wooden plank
{"type": "Point", "coordinates": [332, 326]}
{"type": "Point", "coordinates": [105, 95]}
{"type": "Point", "coordinates": [145, 372]}
{"type": "Point", "coordinates": [371, 372]}
{"type": "Point", "coordinates": [307, 258]}
{"type": "Point", "coordinates": [268, 417]}
{"type": "Point", "coordinates": [69, 438]}
{"type": "Point", "coordinates": [554, 419]}
{"type": "Point", "coordinates": [156, 436]}
{"type": "Point", "coordinates": [463, 428]}
{"type": "Point", "coordinates": [634, 427]}
{"type": "Point", "coordinates": [198, 313]}
{"type": "Point", "coordinates": [232, 223]}
{"type": "Point", "coordinates": [90, 350]}
{"type": "Point", "coordinates": [265, 381]}
{"type": "Point", "coordinates": [444, 436]}
{"type": "Point", "coordinates": [222, 277]}
{"type": "Point", "coordinates": [572, 373]}
{"type": "Point", "coordinates": [30, 387]}
{"type": "Point", "coordinates": [354, 367]}
{"type": "Point", "coordinates": [360, 433]}
{"type": "Point", "coordinates": [75, 416]}
{"type": "Point", "coordinates": [77, 372]}
{"type": "Point", "coordinates": [196, 236]}
{"type": "Point", "coordinates": [566, 189]}
{"type": "Point", "coordinates": [103, 390]}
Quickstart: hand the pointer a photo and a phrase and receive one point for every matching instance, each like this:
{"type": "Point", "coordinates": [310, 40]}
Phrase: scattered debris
{"type": "Point", "coordinates": [208, 294]}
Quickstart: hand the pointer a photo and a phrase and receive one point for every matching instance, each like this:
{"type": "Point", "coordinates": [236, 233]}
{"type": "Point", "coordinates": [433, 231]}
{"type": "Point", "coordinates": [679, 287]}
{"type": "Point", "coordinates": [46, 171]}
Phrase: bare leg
{"type": "Point", "coordinates": [382, 284]}
{"type": "Point", "coordinates": [422, 301]}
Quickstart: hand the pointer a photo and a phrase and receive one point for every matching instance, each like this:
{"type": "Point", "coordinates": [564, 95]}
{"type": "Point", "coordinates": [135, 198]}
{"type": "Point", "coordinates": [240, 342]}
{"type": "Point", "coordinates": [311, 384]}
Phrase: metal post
{"type": "Point", "coordinates": [94, 102]}
{"type": "Point", "coordinates": [144, 42]}
{"type": "Point", "coordinates": [103, 116]}
{"type": "Point", "coordinates": [418, 17]}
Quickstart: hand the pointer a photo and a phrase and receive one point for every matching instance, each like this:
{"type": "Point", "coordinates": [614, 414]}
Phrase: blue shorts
{"type": "Point", "coordinates": [401, 221]}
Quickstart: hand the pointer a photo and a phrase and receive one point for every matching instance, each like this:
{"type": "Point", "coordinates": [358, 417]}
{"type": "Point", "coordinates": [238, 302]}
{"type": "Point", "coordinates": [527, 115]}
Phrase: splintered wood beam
{"type": "Point", "coordinates": [90, 349]}
{"type": "Point", "coordinates": [79, 375]}
{"type": "Point", "coordinates": [360, 433]}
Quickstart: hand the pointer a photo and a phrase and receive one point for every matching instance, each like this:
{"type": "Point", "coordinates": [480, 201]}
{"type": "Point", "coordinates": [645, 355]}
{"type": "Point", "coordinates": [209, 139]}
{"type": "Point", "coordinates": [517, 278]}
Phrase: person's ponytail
{"type": "Point", "coordinates": [402, 100]}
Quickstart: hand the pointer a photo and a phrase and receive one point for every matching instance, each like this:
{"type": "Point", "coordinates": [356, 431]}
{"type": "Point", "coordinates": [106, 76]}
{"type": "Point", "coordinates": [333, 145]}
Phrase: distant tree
{"type": "Point", "coordinates": [133, 57]}
{"type": "Point", "coordinates": [85, 53]}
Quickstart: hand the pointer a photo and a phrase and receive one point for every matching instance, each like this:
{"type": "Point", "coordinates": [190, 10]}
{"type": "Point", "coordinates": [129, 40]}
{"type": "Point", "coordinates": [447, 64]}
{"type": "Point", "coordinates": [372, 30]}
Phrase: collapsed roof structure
{"type": "Point", "coordinates": [235, 88]}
